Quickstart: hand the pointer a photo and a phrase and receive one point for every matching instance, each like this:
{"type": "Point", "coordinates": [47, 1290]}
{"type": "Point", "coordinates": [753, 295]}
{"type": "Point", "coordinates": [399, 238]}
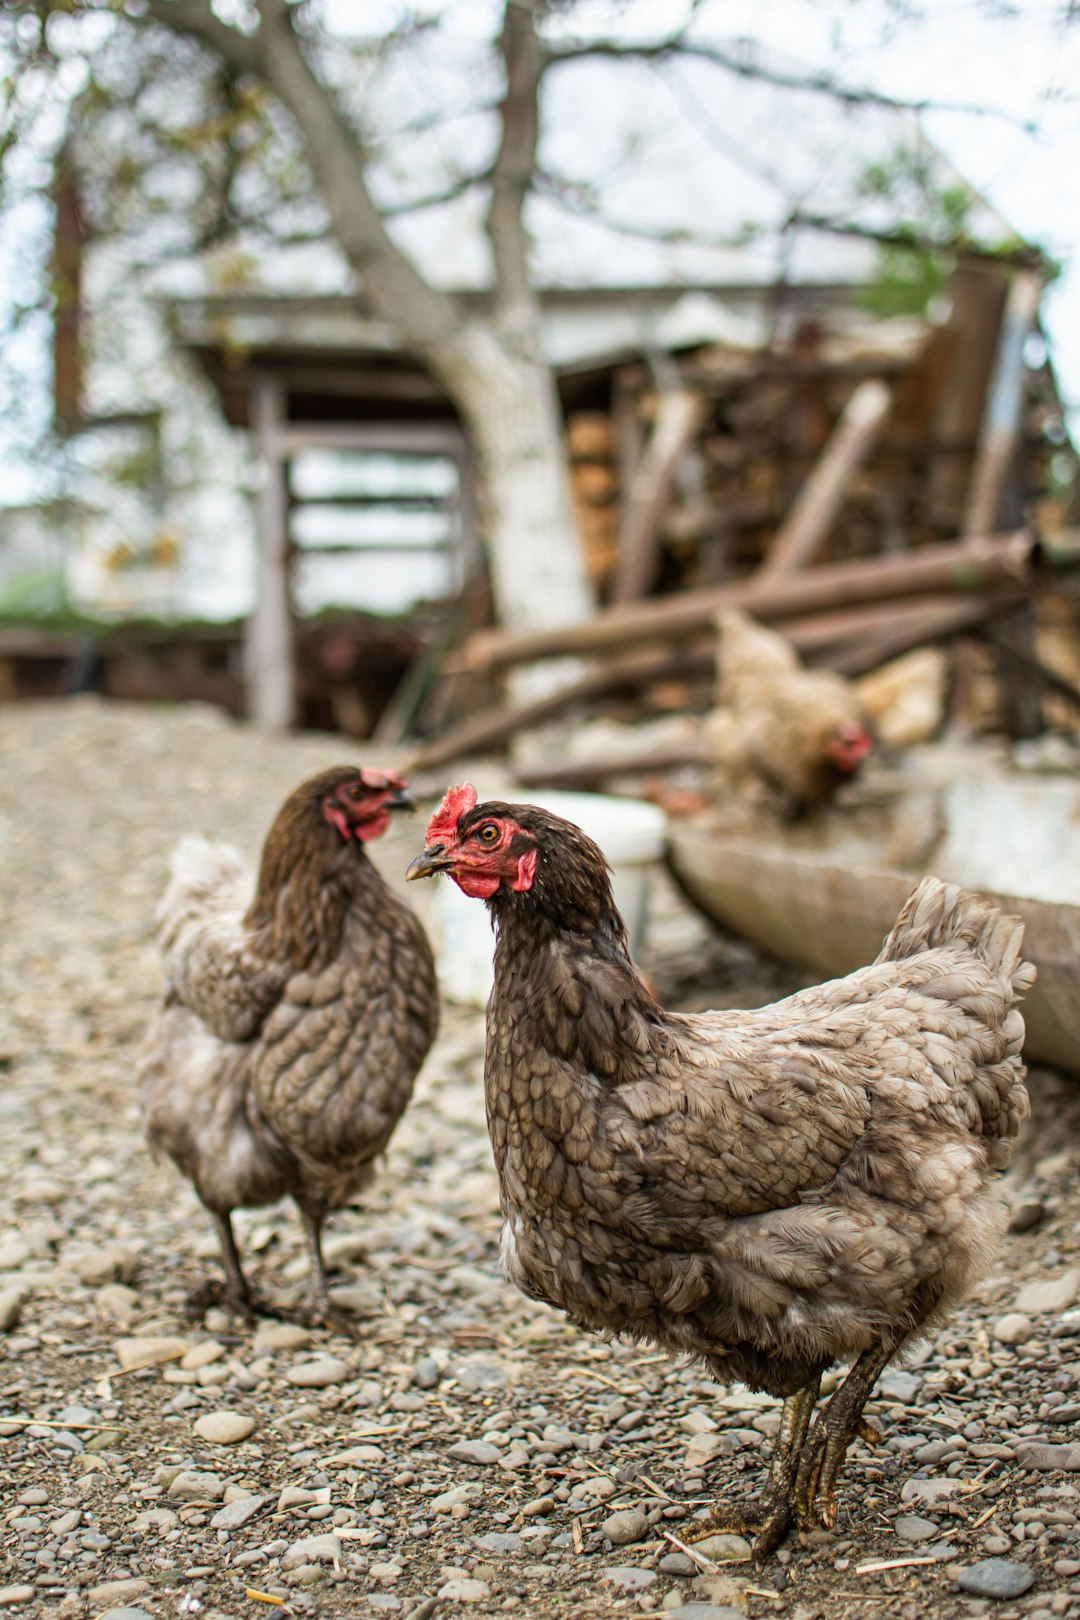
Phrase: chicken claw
{"type": "Point", "coordinates": [827, 1446]}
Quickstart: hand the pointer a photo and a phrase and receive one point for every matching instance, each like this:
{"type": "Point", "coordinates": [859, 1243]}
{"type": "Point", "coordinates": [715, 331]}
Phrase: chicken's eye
{"type": "Point", "coordinates": [488, 833]}
{"type": "Point", "coordinates": [356, 791]}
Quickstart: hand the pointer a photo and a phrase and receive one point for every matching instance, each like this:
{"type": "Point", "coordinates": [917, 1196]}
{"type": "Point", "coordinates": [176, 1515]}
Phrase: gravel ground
{"type": "Point", "coordinates": [471, 1453]}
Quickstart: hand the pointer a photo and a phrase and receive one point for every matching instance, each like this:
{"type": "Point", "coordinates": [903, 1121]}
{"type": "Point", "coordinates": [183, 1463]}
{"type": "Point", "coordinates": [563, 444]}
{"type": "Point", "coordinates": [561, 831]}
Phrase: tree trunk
{"type": "Point", "coordinates": [505, 390]}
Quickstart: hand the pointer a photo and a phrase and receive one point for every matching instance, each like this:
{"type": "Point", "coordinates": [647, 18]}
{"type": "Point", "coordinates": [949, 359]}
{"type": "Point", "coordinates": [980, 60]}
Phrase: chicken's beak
{"type": "Point", "coordinates": [400, 799]}
{"type": "Point", "coordinates": [428, 862]}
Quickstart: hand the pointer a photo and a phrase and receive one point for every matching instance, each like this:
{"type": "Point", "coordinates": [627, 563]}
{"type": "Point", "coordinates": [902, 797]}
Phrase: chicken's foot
{"type": "Point", "coordinates": [769, 1517]}
{"type": "Point", "coordinates": [837, 1426]}
{"type": "Point", "coordinates": [236, 1293]}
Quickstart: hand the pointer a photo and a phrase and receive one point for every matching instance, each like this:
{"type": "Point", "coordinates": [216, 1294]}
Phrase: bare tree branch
{"type": "Point", "coordinates": [515, 161]}
{"type": "Point", "coordinates": [746, 65]}
{"type": "Point", "coordinates": [195, 20]}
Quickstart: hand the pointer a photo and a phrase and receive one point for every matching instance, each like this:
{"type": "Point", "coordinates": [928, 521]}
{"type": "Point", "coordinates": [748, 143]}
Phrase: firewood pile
{"type": "Point", "coordinates": [867, 491]}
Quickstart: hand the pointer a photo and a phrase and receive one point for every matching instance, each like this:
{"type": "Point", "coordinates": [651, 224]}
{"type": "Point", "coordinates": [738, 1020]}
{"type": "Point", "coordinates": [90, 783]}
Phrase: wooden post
{"type": "Point", "coordinates": [1004, 405]}
{"type": "Point", "coordinates": [678, 417]}
{"type": "Point", "coordinates": [268, 651]}
{"type": "Point", "coordinates": [800, 537]}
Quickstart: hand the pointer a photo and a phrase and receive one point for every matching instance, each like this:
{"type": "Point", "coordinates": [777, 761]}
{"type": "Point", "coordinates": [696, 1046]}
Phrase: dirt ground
{"type": "Point", "coordinates": [471, 1452]}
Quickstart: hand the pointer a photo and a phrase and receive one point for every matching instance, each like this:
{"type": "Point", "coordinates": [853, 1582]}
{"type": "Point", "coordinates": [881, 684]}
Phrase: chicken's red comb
{"type": "Point", "coordinates": [456, 801]}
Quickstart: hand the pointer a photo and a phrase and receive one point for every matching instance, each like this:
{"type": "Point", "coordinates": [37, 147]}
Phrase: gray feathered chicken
{"type": "Point", "coordinates": [296, 1013]}
{"type": "Point", "coordinates": [772, 1190]}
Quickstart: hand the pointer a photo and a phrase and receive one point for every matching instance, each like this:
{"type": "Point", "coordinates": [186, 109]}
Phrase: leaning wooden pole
{"type": "Point", "coordinates": [806, 527]}
{"type": "Point", "coordinates": [972, 566]}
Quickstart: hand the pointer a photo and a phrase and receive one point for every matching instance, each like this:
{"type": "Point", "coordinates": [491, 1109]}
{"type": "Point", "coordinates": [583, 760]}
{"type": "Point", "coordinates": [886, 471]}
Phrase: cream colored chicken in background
{"type": "Point", "coordinates": [781, 733]}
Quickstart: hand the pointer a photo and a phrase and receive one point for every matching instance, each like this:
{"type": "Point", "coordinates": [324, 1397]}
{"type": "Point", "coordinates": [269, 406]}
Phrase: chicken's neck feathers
{"type": "Point", "coordinates": [306, 887]}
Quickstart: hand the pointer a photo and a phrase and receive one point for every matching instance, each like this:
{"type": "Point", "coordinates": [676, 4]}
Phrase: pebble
{"type": "Point", "coordinates": [928, 1490]}
{"type": "Point", "coordinates": [703, 1448]}
{"type": "Point", "coordinates": [234, 1515]}
{"type": "Point", "coordinates": [126, 1612]}
{"type": "Point", "coordinates": [463, 1589]}
{"type": "Point", "coordinates": [12, 1301]}
{"type": "Point", "coordinates": [117, 1591]}
{"type": "Point", "coordinates": [676, 1563]}
{"type": "Point", "coordinates": [996, 1578]}
{"type": "Point", "coordinates": [715, 1611]}
{"type": "Point", "coordinates": [537, 1507]}
{"type": "Point", "coordinates": [191, 1486]}
{"type": "Point", "coordinates": [322, 1549]}
{"type": "Point", "coordinates": [723, 1549]}
{"type": "Point", "coordinates": [1043, 1458]}
{"type": "Point", "coordinates": [628, 1525]}
{"type": "Point", "coordinates": [458, 1494]}
{"type": "Point", "coordinates": [911, 1527]}
{"type": "Point", "coordinates": [281, 1336]}
{"type": "Point", "coordinates": [132, 1353]}
{"type": "Point", "coordinates": [12, 1595]}
{"type": "Point", "coordinates": [1055, 1294]}
{"type": "Point", "coordinates": [1013, 1328]}
{"type": "Point", "coordinates": [224, 1428]}
{"type": "Point", "coordinates": [630, 1577]}
{"type": "Point", "coordinates": [319, 1373]}
{"type": "Point", "coordinates": [474, 1451]}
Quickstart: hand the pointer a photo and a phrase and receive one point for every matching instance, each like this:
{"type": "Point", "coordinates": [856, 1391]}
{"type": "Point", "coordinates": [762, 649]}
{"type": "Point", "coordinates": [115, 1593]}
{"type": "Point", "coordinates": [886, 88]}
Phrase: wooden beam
{"type": "Point", "coordinates": [805, 529]}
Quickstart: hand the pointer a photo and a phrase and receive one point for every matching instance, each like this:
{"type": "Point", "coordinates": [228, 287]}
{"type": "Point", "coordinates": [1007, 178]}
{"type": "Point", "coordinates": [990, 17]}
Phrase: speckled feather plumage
{"type": "Point", "coordinates": [295, 1016]}
{"type": "Point", "coordinates": [774, 719]}
{"type": "Point", "coordinates": [772, 1190]}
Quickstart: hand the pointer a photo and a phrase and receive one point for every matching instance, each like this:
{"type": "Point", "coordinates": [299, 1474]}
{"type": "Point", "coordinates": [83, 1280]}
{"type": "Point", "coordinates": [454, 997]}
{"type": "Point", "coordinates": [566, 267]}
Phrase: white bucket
{"type": "Point", "coordinates": [631, 835]}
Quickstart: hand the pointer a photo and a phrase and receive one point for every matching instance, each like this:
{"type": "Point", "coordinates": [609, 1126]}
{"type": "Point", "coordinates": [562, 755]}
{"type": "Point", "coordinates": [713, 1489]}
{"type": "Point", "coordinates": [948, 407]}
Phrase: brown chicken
{"type": "Point", "coordinates": [771, 1190]}
{"type": "Point", "coordinates": [796, 734]}
{"type": "Point", "coordinates": [294, 1017]}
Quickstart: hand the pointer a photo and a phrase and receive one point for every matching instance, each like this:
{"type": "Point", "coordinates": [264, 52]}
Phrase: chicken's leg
{"type": "Point", "coordinates": [823, 1455]}
{"type": "Point", "coordinates": [769, 1517]}
{"type": "Point", "coordinates": [321, 1310]}
{"type": "Point", "coordinates": [238, 1292]}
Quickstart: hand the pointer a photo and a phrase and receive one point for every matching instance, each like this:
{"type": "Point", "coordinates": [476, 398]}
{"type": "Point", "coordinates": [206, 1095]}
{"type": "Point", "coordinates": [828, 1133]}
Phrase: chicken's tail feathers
{"type": "Point", "coordinates": [939, 913]}
{"type": "Point", "coordinates": [204, 876]}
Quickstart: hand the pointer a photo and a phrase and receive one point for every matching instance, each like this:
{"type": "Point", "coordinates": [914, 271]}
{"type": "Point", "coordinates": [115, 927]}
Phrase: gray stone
{"type": "Point", "coordinates": [1013, 1328]}
{"type": "Point", "coordinates": [628, 1525]}
{"type": "Point", "coordinates": [426, 1373]}
{"type": "Point", "coordinates": [900, 1386]}
{"type": "Point", "coordinates": [1025, 1214]}
{"type": "Point", "coordinates": [462, 1589]}
{"type": "Point", "coordinates": [324, 1549]}
{"type": "Point", "coordinates": [12, 1301]}
{"type": "Point", "coordinates": [117, 1591]}
{"type": "Point", "coordinates": [236, 1514]}
{"type": "Point", "coordinates": [676, 1563]}
{"type": "Point", "coordinates": [191, 1486]}
{"type": "Point", "coordinates": [224, 1428]}
{"type": "Point", "coordinates": [318, 1374]}
{"type": "Point", "coordinates": [10, 1596]}
{"type": "Point", "coordinates": [497, 1541]}
{"type": "Point", "coordinates": [455, 1497]}
{"type": "Point", "coordinates": [127, 1611]}
{"type": "Point", "coordinates": [911, 1527]}
{"type": "Point", "coordinates": [723, 1549]}
{"type": "Point", "coordinates": [1055, 1294]}
{"type": "Point", "coordinates": [474, 1451]}
{"type": "Point", "coordinates": [996, 1578]}
{"type": "Point", "coordinates": [1041, 1458]}
{"type": "Point", "coordinates": [630, 1577]}
{"type": "Point", "coordinates": [928, 1490]}
{"type": "Point", "coordinates": [703, 1611]}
